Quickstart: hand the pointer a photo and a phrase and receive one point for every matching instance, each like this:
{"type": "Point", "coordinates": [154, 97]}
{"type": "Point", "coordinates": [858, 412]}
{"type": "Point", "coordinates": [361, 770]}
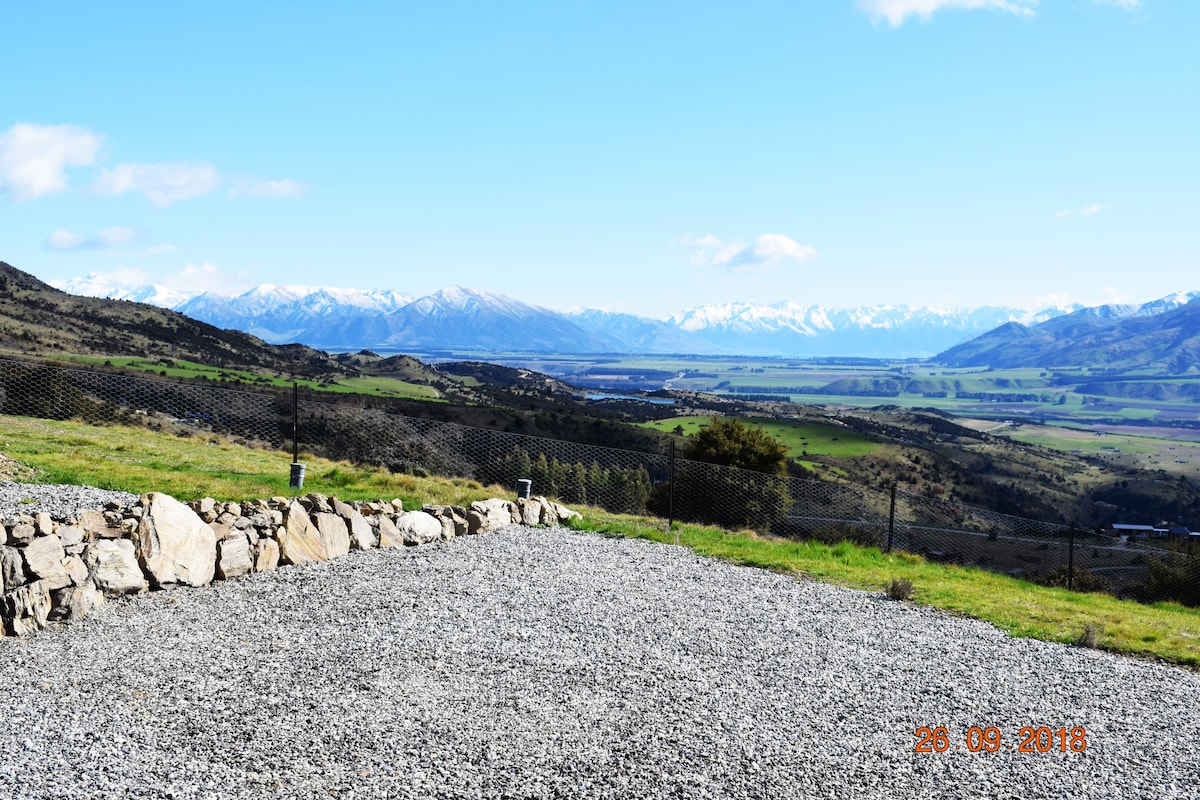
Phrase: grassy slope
{"type": "Point", "coordinates": [194, 466]}
{"type": "Point", "coordinates": [379, 386]}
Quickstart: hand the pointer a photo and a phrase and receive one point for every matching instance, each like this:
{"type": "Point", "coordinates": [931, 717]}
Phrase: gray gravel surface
{"type": "Point", "coordinates": [551, 664]}
{"type": "Point", "coordinates": [60, 501]}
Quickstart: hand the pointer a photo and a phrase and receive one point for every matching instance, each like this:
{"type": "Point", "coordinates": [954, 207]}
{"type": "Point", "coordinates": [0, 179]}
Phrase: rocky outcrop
{"type": "Point", "coordinates": [60, 569]}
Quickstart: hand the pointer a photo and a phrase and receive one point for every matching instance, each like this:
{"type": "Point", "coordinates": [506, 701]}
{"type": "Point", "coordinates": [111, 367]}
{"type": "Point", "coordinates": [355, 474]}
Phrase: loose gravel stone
{"type": "Point", "coordinates": [541, 663]}
{"type": "Point", "coordinates": [60, 501]}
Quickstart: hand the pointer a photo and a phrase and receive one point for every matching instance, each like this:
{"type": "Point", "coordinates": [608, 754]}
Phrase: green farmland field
{"type": "Point", "coordinates": [801, 438]}
{"type": "Point", "coordinates": [178, 368]}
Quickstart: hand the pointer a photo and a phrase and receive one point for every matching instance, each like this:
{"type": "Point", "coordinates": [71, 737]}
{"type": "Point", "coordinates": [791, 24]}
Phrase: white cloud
{"type": "Point", "coordinates": [206, 277]}
{"type": "Point", "coordinates": [896, 11]}
{"type": "Point", "coordinates": [63, 239]}
{"type": "Point", "coordinates": [769, 249]}
{"type": "Point", "coordinates": [163, 184]}
{"type": "Point", "coordinates": [117, 283]}
{"type": "Point", "coordinates": [1087, 211]}
{"type": "Point", "coordinates": [34, 158]}
{"type": "Point", "coordinates": [279, 188]}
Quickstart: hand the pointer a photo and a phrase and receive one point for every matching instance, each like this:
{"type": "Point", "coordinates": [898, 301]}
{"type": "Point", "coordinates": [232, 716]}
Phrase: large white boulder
{"type": "Point", "coordinates": [173, 544]}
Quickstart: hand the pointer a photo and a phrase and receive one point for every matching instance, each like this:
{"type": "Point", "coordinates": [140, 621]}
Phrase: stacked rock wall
{"type": "Point", "coordinates": [58, 570]}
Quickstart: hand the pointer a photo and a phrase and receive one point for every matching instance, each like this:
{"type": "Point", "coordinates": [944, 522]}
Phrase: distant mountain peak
{"type": "Point", "coordinates": [462, 317]}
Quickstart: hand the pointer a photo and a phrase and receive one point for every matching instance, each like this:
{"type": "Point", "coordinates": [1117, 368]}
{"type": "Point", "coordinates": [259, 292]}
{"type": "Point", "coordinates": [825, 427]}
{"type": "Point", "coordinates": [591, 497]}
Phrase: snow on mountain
{"type": "Point", "coordinates": [324, 317]}
{"type": "Point", "coordinates": [96, 285]}
{"type": "Point", "coordinates": [1168, 303]}
{"type": "Point", "coordinates": [472, 303]}
{"type": "Point", "coordinates": [791, 329]}
{"type": "Point", "coordinates": [462, 318]}
{"type": "Point", "coordinates": [457, 318]}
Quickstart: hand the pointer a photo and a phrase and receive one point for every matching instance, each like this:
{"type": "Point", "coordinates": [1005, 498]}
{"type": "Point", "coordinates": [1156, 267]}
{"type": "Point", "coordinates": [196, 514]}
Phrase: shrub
{"type": "Point", "coordinates": [741, 482]}
{"type": "Point", "coordinates": [1169, 576]}
{"type": "Point", "coordinates": [1090, 637]}
{"type": "Point", "coordinates": [900, 589]}
{"type": "Point", "coordinates": [1084, 580]}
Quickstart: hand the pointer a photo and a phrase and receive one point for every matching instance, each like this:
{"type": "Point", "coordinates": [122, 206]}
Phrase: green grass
{"type": "Point", "coordinates": [801, 438]}
{"type": "Point", "coordinates": [192, 466]}
{"type": "Point", "coordinates": [383, 387]}
{"type": "Point", "coordinates": [179, 368]}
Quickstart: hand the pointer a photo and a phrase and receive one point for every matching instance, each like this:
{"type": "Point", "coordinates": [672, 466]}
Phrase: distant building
{"type": "Point", "coordinates": [1138, 531]}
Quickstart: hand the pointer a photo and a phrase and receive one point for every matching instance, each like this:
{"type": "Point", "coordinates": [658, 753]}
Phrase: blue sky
{"type": "Point", "coordinates": [644, 157]}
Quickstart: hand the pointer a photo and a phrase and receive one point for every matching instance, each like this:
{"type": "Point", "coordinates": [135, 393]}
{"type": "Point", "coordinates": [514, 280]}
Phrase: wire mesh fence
{"type": "Point", "coordinates": [50, 392]}
{"type": "Point", "coordinates": [660, 485]}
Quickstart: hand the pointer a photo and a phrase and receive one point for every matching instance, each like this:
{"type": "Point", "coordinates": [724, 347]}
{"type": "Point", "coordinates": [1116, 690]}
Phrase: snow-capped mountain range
{"type": "Point", "coordinates": [458, 318]}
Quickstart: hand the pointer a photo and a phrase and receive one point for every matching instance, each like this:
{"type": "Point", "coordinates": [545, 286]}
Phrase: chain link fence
{"type": "Point", "coordinates": [362, 430]}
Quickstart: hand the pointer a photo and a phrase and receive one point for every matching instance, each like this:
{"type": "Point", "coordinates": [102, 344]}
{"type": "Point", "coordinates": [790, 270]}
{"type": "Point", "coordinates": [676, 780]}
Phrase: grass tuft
{"type": "Point", "coordinates": [900, 589]}
{"type": "Point", "coordinates": [1090, 637]}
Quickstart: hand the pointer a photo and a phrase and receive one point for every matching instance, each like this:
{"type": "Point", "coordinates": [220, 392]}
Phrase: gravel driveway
{"type": "Point", "coordinates": [545, 663]}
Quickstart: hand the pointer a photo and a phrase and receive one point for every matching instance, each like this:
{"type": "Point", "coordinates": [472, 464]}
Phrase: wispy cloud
{"type": "Point", "coordinates": [204, 277]}
{"type": "Point", "coordinates": [1087, 211]}
{"type": "Point", "coordinates": [273, 189]}
{"type": "Point", "coordinates": [894, 12]}
{"type": "Point", "coordinates": [163, 184]}
{"type": "Point", "coordinates": [34, 158]}
{"type": "Point", "coordinates": [63, 239]}
{"type": "Point", "coordinates": [769, 249]}
{"type": "Point", "coordinates": [115, 283]}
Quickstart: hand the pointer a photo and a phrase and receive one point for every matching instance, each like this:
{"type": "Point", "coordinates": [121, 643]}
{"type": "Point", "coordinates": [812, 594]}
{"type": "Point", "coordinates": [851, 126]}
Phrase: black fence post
{"type": "Point", "coordinates": [671, 494]}
{"type": "Point", "coordinates": [295, 423]}
{"type": "Point", "coordinates": [891, 520]}
{"type": "Point", "coordinates": [296, 477]}
{"type": "Point", "coordinates": [1071, 558]}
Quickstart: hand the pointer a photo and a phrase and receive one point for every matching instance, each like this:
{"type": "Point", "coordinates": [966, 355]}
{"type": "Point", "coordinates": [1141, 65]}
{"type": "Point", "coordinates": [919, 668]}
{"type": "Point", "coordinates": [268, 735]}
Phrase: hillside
{"type": "Point", "coordinates": [1167, 343]}
{"type": "Point", "coordinates": [37, 319]}
{"type": "Point", "coordinates": [990, 473]}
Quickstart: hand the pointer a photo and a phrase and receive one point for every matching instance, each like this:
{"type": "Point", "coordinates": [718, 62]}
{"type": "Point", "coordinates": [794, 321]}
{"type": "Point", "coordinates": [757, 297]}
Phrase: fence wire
{"type": "Point", "coordinates": [48, 392]}
{"type": "Point", "coordinates": [622, 481]}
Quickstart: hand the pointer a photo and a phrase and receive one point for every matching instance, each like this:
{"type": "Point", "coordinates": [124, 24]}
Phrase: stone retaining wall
{"type": "Point", "coordinates": [53, 571]}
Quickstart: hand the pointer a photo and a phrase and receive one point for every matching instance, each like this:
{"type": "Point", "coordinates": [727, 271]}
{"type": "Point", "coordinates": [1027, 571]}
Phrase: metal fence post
{"type": "Point", "coordinates": [891, 520]}
{"type": "Point", "coordinates": [1071, 558]}
{"type": "Point", "coordinates": [296, 477]}
{"type": "Point", "coordinates": [295, 423]}
{"type": "Point", "coordinates": [671, 495]}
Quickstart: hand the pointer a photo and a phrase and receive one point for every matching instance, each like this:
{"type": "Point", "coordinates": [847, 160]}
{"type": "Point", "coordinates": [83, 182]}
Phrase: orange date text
{"type": "Point", "coordinates": [1029, 739]}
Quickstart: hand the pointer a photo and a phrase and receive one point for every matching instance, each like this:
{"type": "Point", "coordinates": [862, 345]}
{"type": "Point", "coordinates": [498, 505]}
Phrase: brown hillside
{"type": "Point", "coordinates": [37, 319]}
